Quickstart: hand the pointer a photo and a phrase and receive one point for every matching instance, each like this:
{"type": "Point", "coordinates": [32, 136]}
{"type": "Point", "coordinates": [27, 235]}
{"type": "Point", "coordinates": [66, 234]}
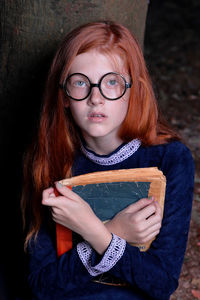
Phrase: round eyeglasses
{"type": "Point", "coordinates": [112, 86]}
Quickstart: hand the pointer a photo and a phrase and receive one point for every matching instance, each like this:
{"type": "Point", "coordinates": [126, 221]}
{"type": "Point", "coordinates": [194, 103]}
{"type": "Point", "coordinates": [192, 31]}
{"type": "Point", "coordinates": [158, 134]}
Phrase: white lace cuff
{"type": "Point", "coordinates": [112, 255]}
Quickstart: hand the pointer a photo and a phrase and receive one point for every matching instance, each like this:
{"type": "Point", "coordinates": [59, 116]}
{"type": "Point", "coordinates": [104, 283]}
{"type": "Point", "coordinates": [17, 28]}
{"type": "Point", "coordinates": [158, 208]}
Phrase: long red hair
{"type": "Point", "coordinates": [52, 155]}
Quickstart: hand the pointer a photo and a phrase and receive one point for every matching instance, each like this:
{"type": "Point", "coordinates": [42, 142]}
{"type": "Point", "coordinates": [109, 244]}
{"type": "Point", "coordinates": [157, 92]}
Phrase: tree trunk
{"type": "Point", "coordinates": [30, 33]}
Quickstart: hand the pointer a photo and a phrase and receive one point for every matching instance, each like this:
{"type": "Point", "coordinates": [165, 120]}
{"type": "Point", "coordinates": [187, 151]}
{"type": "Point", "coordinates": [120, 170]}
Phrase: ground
{"type": "Point", "coordinates": [172, 53]}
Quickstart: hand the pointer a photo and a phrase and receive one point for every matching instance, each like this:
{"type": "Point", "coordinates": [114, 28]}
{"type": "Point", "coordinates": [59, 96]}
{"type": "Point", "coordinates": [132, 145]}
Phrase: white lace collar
{"type": "Point", "coordinates": [120, 155]}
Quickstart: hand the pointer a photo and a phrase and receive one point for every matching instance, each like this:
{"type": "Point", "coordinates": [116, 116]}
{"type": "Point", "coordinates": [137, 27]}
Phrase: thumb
{"type": "Point", "coordinates": [139, 204]}
{"type": "Point", "coordinates": [63, 190]}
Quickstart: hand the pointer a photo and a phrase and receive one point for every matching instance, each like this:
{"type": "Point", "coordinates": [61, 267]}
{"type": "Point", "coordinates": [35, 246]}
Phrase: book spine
{"type": "Point", "coordinates": [63, 236]}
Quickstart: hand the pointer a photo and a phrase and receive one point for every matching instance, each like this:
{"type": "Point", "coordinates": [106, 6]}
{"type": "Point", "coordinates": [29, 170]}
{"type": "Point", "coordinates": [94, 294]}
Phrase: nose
{"type": "Point", "coordinates": [95, 97]}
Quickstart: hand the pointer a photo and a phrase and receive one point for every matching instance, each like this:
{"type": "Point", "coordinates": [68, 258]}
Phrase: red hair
{"type": "Point", "coordinates": [52, 156]}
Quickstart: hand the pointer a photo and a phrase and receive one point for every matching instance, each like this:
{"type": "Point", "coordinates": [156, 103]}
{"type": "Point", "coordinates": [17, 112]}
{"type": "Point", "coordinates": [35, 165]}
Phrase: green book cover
{"type": "Point", "coordinates": [107, 199]}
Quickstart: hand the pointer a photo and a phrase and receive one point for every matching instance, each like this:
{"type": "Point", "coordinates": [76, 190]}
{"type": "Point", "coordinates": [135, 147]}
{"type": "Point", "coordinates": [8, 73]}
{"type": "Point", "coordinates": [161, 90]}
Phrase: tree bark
{"type": "Point", "coordinates": [30, 33]}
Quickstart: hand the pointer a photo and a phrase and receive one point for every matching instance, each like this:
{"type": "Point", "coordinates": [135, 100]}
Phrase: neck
{"type": "Point", "coordinates": [102, 145]}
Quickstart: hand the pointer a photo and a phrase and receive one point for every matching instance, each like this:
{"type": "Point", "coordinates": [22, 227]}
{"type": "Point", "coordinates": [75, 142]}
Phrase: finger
{"type": "Point", "coordinates": [47, 192]}
{"type": "Point", "coordinates": [157, 215]}
{"type": "Point", "coordinates": [150, 237]}
{"type": "Point", "coordinates": [55, 215]}
{"type": "Point", "coordinates": [52, 201]}
{"type": "Point", "coordinates": [152, 228]}
{"type": "Point", "coordinates": [52, 195]}
{"type": "Point", "coordinates": [145, 213]}
{"type": "Point", "coordinates": [65, 191]}
{"type": "Point", "coordinates": [56, 211]}
{"type": "Point", "coordinates": [56, 218]}
{"type": "Point", "coordinates": [139, 205]}
{"type": "Point", "coordinates": [158, 208]}
{"type": "Point", "coordinates": [153, 222]}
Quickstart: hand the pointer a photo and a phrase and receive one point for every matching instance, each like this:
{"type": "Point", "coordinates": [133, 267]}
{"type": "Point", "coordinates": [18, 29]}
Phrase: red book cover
{"type": "Point", "coordinates": [63, 236]}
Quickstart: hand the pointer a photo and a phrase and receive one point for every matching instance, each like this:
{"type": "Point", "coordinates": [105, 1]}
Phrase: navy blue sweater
{"type": "Point", "coordinates": [153, 274]}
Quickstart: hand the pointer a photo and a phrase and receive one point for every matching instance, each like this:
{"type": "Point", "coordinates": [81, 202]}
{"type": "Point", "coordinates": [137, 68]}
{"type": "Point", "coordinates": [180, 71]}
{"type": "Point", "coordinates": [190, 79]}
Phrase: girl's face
{"type": "Point", "coordinates": [98, 118]}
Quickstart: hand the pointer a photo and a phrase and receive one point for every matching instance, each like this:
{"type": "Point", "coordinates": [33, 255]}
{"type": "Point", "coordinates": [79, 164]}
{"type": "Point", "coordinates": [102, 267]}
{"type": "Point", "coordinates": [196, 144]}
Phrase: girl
{"type": "Point", "coordinates": [100, 114]}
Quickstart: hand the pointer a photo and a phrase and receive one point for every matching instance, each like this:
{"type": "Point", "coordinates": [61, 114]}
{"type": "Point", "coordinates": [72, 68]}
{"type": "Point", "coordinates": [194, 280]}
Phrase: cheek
{"type": "Point", "coordinates": [123, 108]}
{"type": "Point", "coordinates": [124, 111]}
{"type": "Point", "coordinates": [77, 111]}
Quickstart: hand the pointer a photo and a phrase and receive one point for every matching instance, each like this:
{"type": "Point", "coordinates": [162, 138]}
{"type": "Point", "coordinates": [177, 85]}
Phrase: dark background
{"type": "Point", "coordinates": [172, 52]}
{"type": "Point", "coordinates": [171, 48]}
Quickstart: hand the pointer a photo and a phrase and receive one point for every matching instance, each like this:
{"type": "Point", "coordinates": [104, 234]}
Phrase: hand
{"type": "Point", "coordinates": [73, 212]}
{"type": "Point", "coordinates": [139, 223]}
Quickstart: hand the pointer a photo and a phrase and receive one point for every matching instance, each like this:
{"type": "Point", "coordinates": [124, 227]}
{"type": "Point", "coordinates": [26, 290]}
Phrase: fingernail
{"type": "Point", "coordinates": [52, 195]}
{"type": "Point", "coordinates": [59, 185]}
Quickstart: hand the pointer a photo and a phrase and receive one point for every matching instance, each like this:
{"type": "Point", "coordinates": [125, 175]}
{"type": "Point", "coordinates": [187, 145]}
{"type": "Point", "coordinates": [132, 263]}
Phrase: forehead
{"type": "Point", "coordinates": [95, 62]}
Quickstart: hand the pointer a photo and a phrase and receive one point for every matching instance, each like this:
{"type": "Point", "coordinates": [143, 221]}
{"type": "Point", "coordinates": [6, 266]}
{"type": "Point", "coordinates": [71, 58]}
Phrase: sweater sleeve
{"type": "Point", "coordinates": [50, 275]}
{"type": "Point", "coordinates": [156, 272]}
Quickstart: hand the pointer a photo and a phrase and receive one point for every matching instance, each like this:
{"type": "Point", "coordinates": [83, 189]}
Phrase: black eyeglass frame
{"type": "Point", "coordinates": [126, 86]}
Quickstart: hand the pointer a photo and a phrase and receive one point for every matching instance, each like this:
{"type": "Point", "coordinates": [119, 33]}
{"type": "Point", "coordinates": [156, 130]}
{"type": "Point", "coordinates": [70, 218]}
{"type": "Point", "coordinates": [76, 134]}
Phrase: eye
{"type": "Point", "coordinates": [112, 82]}
{"type": "Point", "coordinates": [79, 83]}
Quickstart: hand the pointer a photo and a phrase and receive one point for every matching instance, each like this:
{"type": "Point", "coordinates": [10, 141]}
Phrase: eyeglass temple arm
{"type": "Point", "coordinates": [128, 85]}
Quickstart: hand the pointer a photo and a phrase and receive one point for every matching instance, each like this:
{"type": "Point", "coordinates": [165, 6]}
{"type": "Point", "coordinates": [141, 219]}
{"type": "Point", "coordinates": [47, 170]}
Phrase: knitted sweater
{"type": "Point", "coordinates": [149, 275]}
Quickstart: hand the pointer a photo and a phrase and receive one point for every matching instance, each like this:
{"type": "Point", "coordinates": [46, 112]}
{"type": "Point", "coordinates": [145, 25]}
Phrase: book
{"type": "Point", "coordinates": [109, 192]}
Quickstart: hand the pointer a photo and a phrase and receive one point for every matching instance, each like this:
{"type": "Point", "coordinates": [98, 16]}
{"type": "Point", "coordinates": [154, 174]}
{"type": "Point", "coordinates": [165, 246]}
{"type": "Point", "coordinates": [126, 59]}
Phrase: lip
{"type": "Point", "coordinates": [96, 116]}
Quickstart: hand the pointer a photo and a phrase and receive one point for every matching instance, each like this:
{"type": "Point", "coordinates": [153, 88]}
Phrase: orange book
{"type": "Point", "coordinates": [108, 192]}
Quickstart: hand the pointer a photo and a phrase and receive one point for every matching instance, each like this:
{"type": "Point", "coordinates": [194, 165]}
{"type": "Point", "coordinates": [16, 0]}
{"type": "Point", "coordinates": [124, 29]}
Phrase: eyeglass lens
{"type": "Point", "coordinates": [111, 86]}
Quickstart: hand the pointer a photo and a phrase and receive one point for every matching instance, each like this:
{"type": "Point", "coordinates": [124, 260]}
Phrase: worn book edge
{"type": "Point", "coordinates": [152, 175]}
